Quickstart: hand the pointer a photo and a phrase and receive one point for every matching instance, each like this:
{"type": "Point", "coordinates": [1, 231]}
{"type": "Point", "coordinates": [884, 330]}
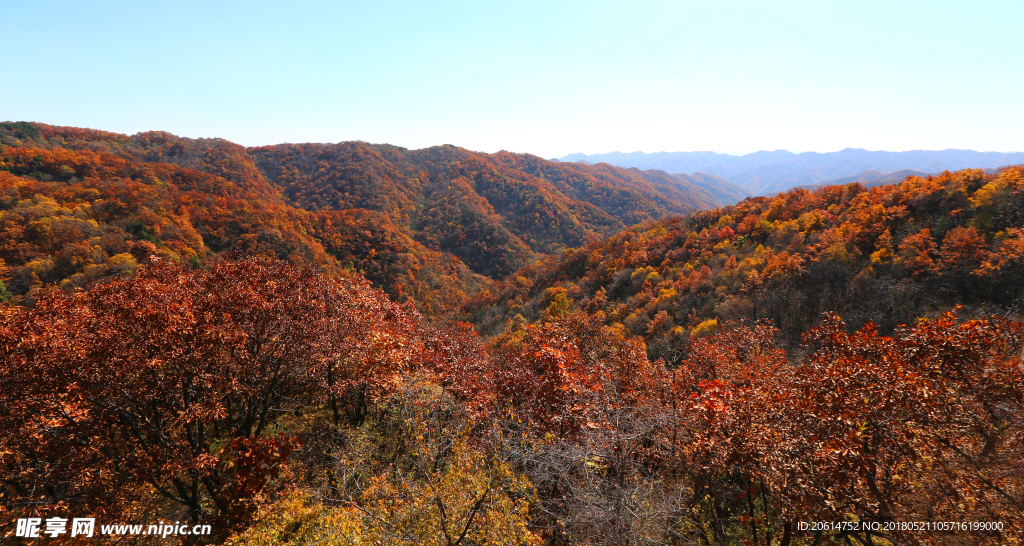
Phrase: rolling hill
{"type": "Point", "coordinates": [80, 205]}
{"type": "Point", "coordinates": [885, 255]}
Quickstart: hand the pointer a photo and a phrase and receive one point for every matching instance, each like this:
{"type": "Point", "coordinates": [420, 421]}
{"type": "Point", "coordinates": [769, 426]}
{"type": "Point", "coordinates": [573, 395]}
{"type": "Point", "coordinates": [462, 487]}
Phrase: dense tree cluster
{"type": "Point", "coordinates": [282, 406]}
{"type": "Point", "coordinates": [177, 384]}
{"type": "Point", "coordinates": [75, 211]}
{"type": "Point", "coordinates": [426, 225]}
{"type": "Point", "coordinates": [887, 255]}
{"type": "Point", "coordinates": [490, 210]}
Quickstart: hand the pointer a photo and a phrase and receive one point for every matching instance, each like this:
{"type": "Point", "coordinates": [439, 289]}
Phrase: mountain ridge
{"type": "Point", "coordinates": [79, 205]}
{"type": "Point", "coordinates": [765, 172]}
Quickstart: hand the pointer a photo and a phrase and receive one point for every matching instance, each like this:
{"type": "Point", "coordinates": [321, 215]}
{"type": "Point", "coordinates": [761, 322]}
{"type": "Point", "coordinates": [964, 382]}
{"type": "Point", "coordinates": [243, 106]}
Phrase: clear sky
{"type": "Point", "coordinates": [547, 78]}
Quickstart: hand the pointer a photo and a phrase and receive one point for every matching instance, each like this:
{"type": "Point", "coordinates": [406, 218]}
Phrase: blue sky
{"type": "Point", "coordinates": [547, 78]}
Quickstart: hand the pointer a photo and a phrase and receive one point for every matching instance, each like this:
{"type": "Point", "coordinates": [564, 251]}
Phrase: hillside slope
{"type": "Point", "coordinates": [726, 192]}
{"type": "Point", "coordinates": [889, 255]}
{"type": "Point", "coordinates": [426, 225]}
{"type": "Point", "coordinates": [69, 218]}
{"type": "Point", "coordinates": [493, 211]}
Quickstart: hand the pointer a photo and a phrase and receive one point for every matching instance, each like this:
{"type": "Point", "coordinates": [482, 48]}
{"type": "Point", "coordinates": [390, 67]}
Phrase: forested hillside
{"type": "Point", "coordinates": [71, 217]}
{"type": "Point", "coordinates": [268, 342]}
{"type": "Point", "coordinates": [431, 225]}
{"type": "Point", "coordinates": [888, 254]}
{"type": "Point", "coordinates": [491, 210]}
{"type": "Point", "coordinates": [279, 406]}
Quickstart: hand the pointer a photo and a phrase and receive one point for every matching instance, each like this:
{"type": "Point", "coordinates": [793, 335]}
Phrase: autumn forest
{"type": "Point", "coordinates": [361, 344]}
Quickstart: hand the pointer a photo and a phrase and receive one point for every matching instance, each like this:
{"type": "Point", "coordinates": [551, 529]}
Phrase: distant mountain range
{"type": "Point", "coordinates": [767, 172]}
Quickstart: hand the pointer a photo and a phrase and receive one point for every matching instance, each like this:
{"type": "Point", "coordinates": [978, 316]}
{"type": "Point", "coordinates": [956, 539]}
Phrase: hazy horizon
{"type": "Point", "coordinates": [740, 154]}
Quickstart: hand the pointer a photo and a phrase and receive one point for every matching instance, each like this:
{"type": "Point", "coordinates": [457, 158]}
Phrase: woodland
{"type": "Point", "coordinates": [359, 344]}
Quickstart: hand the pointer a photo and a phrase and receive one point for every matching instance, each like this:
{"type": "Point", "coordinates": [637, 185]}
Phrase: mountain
{"type": "Point", "coordinates": [492, 211]}
{"type": "Point", "coordinates": [726, 192]}
{"type": "Point", "coordinates": [673, 162]}
{"type": "Point", "coordinates": [767, 172]}
{"type": "Point", "coordinates": [82, 205]}
{"type": "Point", "coordinates": [886, 255]}
{"type": "Point", "coordinates": [872, 178]}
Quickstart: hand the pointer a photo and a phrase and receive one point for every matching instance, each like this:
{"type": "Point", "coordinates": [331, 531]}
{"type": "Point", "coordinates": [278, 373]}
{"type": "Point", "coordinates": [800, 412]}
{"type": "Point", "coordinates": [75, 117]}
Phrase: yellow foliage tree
{"type": "Point", "coordinates": [468, 499]}
{"type": "Point", "coordinates": [443, 492]}
{"type": "Point", "coordinates": [705, 328]}
{"type": "Point", "coordinates": [299, 519]}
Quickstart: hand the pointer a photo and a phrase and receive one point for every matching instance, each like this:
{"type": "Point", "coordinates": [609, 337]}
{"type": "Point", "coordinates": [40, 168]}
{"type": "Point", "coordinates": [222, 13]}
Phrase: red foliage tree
{"type": "Point", "coordinates": [172, 381]}
{"type": "Point", "coordinates": [924, 425]}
